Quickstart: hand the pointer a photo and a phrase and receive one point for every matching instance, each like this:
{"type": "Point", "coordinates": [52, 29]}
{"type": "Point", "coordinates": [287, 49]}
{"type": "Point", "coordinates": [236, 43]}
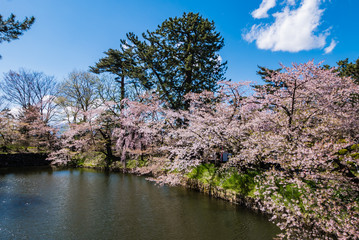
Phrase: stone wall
{"type": "Point", "coordinates": [23, 160]}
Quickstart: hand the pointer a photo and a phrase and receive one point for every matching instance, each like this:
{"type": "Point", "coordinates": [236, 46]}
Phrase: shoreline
{"type": "Point", "coordinates": [192, 184]}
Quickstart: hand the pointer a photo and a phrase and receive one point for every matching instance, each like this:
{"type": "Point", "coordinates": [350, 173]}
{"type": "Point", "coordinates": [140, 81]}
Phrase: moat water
{"type": "Point", "coordinates": [45, 203]}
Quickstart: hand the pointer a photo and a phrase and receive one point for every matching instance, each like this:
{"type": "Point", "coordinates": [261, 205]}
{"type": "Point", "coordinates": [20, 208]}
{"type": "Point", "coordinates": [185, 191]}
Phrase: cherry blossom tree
{"type": "Point", "coordinates": [291, 134]}
{"type": "Point", "coordinates": [140, 131]}
{"type": "Point", "coordinates": [8, 130]}
{"type": "Point", "coordinates": [212, 124]}
{"type": "Point", "coordinates": [296, 133]}
{"type": "Point", "coordinates": [34, 131]}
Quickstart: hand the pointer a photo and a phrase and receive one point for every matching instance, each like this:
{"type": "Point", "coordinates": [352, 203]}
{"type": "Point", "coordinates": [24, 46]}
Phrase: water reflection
{"type": "Point", "coordinates": [87, 204]}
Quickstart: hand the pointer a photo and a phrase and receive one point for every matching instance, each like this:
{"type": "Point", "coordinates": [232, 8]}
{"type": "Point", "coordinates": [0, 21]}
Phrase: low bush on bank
{"type": "Point", "coordinates": [229, 179]}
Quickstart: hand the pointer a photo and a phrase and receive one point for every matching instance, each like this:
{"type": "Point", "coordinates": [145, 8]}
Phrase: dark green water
{"type": "Point", "coordinates": [41, 203]}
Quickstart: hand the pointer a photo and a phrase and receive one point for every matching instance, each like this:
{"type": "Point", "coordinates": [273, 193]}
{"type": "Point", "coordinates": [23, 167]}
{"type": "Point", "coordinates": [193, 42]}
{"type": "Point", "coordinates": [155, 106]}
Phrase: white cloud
{"type": "Point", "coordinates": [291, 2]}
{"type": "Point", "coordinates": [262, 11]}
{"type": "Point", "coordinates": [293, 29]}
{"type": "Point", "coordinates": [330, 48]}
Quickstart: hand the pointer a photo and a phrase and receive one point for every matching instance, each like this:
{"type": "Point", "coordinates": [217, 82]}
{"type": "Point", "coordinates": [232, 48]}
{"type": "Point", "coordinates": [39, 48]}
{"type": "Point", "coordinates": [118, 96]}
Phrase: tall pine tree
{"type": "Point", "coordinates": [179, 57]}
{"type": "Point", "coordinates": [119, 63]}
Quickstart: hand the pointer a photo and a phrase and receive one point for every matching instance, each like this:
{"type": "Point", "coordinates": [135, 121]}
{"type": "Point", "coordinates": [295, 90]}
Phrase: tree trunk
{"type": "Point", "coordinates": [122, 89]}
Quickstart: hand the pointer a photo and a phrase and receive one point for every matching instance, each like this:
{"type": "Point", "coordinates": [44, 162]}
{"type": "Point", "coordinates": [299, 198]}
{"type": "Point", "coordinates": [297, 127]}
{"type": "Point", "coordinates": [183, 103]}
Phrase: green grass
{"type": "Point", "coordinates": [133, 163]}
{"type": "Point", "coordinates": [205, 173]}
{"type": "Point", "coordinates": [89, 159]}
{"type": "Point", "coordinates": [243, 183]}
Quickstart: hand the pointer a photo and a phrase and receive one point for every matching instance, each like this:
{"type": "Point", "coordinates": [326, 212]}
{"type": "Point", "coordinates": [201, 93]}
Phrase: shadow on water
{"type": "Point", "coordinates": [42, 203]}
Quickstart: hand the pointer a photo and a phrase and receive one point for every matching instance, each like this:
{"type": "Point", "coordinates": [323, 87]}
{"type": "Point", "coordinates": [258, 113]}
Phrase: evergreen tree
{"type": "Point", "coordinates": [179, 57]}
{"type": "Point", "coordinates": [119, 63]}
{"type": "Point", "coordinates": [269, 85]}
{"type": "Point", "coordinates": [349, 69]}
{"type": "Point", "coordinates": [11, 29]}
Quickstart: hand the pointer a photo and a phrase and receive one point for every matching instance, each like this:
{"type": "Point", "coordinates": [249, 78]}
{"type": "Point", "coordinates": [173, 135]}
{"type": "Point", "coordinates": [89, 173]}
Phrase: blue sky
{"type": "Point", "coordinates": [73, 34]}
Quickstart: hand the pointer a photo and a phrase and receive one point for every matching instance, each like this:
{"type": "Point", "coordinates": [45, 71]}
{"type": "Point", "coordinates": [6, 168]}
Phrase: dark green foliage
{"type": "Point", "coordinates": [264, 73]}
{"type": "Point", "coordinates": [289, 191]}
{"type": "Point", "coordinates": [179, 57]}
{"type": "Point", "coordinates": [115, 62]}
{"type": "Point", "coordinates": [134, 163]}
{"type": "Point", "coordinates": [348, 157]}
{"type": "Point", "coordinates": [78, 160]}
{"type": "Point", "coordinates": [342, 151]}
{"type": "Point", "coordinates": [269, 86]}
{"type": "Point", "coordinates": [240, 182]}
{"type": "Point", "coordinates": [206, 173]}
{"type": "Point", "coordinates": [243, 183]}
{"type": "Point", "coordinates": [312, 184]}
{"type": "Point", "coordinates": [11, 29]}
{"type": "Point", "coordinates": [349, 69]}
{"type": "Point", "coordinates": [355, 147]}
{"type": "Point", "coordinates": [121, 64]}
